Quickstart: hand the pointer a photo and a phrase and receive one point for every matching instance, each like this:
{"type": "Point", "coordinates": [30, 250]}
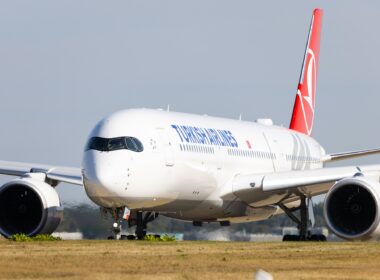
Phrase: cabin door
{"type": "Point", "coordinates": [277, 155]}
{"type": "Point", "coordinates": [165, 146]}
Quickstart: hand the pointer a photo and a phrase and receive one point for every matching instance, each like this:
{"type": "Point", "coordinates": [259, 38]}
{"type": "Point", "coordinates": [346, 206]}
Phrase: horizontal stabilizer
{"type": "Point", "coordinates": [348, 155]}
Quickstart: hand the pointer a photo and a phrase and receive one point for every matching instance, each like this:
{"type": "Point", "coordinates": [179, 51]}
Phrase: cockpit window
{"type": "Point", "coordinates": [139, 145]}
{"type": "Point", "coordinates": [130, 144]}
{"type": "Point", "coordinates": [113, 144]}
{"type": "Point", "coordinates": [116, 144]}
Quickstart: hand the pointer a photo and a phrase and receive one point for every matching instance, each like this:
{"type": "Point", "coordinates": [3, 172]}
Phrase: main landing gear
{"type": "Point", "coordinates": [139, 219]}
{"type": "Point", "coordinates": [305, 222]}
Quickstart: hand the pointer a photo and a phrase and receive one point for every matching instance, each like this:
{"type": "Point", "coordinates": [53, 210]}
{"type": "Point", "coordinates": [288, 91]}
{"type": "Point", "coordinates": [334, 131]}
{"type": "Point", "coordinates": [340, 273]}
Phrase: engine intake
{"type": "Point", "coordinates": [28, 206]}
{"type": "Point", "coordinates": [352, 208]}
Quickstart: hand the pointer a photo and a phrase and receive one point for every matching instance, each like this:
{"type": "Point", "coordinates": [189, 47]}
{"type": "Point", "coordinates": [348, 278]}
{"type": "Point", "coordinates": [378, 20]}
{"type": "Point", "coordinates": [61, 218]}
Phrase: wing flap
{"type": "Point", "coordinates": [301, 178]}
{"type": "Point", "coordinates": [259, 190]}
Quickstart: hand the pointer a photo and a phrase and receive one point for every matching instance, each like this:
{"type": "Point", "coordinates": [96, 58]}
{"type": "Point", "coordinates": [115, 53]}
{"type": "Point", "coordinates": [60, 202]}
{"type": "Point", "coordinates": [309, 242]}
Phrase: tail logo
{"type": "Point", "coordinates": [308, 93]}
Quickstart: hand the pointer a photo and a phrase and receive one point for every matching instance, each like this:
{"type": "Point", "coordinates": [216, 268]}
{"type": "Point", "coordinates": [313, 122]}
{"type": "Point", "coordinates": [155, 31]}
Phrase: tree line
{"type": "Point", "coordinates": [89, 220]}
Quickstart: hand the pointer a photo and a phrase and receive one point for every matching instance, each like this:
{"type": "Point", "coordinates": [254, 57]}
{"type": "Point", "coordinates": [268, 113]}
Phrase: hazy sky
{"type": "Point", "coordinates": [66, 64]}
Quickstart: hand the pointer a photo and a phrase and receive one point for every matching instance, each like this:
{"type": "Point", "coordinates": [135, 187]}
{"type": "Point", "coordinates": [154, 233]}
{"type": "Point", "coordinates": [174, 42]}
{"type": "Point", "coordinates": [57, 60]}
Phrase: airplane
{"type": "Point", "coordinates": [141, 163]}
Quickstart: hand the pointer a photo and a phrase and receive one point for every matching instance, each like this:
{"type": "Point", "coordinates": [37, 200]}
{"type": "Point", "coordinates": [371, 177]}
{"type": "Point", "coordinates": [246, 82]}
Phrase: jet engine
{"type": "Point", "coordinates": [29, 206]}
{"type": "Point", "coordinates": [351, 208]}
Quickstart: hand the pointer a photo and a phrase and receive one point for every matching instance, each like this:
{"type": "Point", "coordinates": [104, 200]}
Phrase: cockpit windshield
{"type": "Point", "coordinates": [113, 144]}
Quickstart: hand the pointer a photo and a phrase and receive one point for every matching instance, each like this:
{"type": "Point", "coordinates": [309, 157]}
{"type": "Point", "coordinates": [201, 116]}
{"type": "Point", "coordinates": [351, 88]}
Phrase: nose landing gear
{"type": "Point", "coordinates": [117, 215]}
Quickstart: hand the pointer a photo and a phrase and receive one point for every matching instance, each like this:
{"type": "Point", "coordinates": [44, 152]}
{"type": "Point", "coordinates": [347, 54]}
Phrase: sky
{"type": "Point", "coordinates": [64, 65]}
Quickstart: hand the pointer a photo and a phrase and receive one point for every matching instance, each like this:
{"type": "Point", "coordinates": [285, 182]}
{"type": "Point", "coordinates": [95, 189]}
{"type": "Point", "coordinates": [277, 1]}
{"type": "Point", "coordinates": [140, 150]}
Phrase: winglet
{"type": "Point", "coordinates": [303, 111]}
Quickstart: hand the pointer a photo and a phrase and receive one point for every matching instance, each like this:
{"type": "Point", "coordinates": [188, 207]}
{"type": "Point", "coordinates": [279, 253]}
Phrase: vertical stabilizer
{"type": "Point", "coordinates": [303, 111]}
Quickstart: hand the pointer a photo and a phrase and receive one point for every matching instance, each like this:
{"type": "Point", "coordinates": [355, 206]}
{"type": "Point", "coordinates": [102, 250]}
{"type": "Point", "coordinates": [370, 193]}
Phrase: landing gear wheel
{"type": "Point", "coordinates": [123, 237]}
{"type": "Point", "coordinates": [318, 237]}
{"type": "Point", "coordinates": [286, 238]}
{"type": "Point", "coordinates": [131, 237]}
{"type": "Point", "coordinates": [322, 238]}
{"type": "Point", "coordinates": [290, 237]}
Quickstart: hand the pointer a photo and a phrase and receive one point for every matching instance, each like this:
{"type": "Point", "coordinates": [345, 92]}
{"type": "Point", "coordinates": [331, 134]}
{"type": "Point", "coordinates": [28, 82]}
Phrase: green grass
{"type": "Point", "coordinates": [165, 237]}
{"type": "Point", "coordinates": [20, 237]}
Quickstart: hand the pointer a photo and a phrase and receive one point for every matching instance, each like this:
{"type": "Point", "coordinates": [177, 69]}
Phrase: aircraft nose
{"type": "Point", "coordinates": [100, 179]}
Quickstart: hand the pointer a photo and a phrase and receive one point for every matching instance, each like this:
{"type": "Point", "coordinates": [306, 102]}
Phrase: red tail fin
{"type": "Point", "coordinates": [303, 111]}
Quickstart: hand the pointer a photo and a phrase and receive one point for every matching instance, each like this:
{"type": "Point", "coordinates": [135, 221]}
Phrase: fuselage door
{"type": "Point", "coordinates": [277, 155]}
{"type": "Point", "coordinates": [165, 146]}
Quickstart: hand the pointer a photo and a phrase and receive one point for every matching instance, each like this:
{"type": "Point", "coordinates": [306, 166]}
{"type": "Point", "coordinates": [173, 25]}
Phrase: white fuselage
{"type": "Point", "coordinates": [189, 162]}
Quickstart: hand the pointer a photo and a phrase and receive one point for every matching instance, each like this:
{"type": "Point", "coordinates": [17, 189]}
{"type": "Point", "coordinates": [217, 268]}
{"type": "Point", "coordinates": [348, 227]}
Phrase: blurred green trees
{"type": "Point", "coordinates": [93, 224]}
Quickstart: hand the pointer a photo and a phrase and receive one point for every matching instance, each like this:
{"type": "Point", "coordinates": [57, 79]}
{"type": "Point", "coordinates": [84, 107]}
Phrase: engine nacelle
{"type": "Point", "coordinates": [28, 206]}
{"type": "Point", "coordinates": [351, 208]}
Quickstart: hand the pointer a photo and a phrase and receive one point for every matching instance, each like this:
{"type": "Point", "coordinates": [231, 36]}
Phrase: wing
{"type": "Point", "coordinates": [284, 187]}
{"type": "Point", "coordinates": [54, 173]}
